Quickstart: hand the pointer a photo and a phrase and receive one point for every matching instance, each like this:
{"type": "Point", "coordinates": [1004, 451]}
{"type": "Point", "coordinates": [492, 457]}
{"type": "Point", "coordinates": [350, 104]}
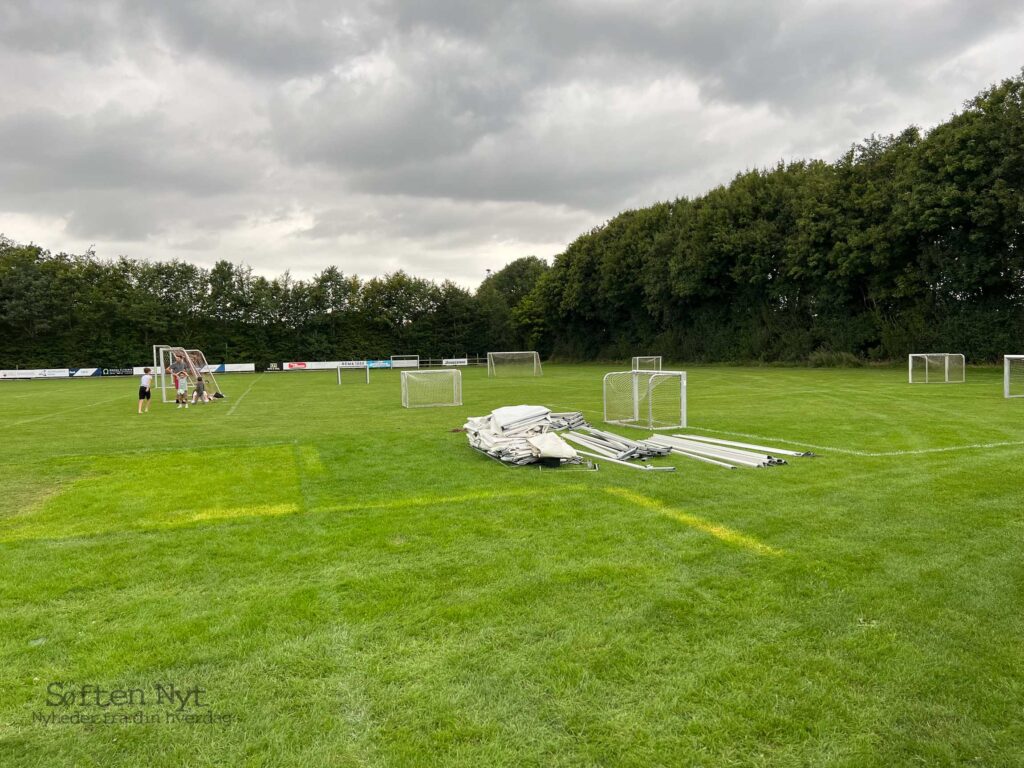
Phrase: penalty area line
{"type": "Point", "coordinates": [238, 402]}
{"type": "Point", "coordinates": [866, 454]}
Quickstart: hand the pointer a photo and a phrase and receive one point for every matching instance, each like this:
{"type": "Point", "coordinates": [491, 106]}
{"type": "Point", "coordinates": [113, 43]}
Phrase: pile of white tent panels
{"type": "Point", "coordinates": [724, 453]}
{"type": "Point", "coordinates": [598, 444]}
{"type": "Point", "coordinates": [524, 434]}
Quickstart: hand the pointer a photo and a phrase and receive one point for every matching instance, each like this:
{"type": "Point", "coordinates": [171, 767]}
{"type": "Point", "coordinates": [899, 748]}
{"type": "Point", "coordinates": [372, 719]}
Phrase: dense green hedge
{"type": "Point", "coordinates": [906, 243]}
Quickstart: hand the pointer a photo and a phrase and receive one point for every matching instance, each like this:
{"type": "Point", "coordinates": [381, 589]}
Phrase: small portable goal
{"type": "Point", "coordinates": [405, 361]}
{"type": "Point", "coordinates": [647, 363]}
{"type": "Point", "coordinates": [646, 399]}
{"type": "Point", "coordinates": [428, 388]}
{"type": "Point", "coordinates": [513, 364]}
{"type": "Point", "coordinates": [1013, 375]}
{"type": "Point", "coordinates": [358, 371]}
{"type": "Point", "coordinates": [935, 368]}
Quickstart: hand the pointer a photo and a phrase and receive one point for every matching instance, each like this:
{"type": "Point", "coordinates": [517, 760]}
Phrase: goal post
{"type": "Point", "coordinates": [170, 361]}
{"type": "Point", "coordinates": [1013, 376]}
{"type": "Point", "coordinates": [354, 369]}
{"type": "Point", "coordinates": [434, 387]}
{"type": "Point", "coordinates": [646, 399]}
{"type": "Point", "coordinates": [647, 363]}
{"type": "Point", "coordinates": [201, 367]}
{"type": "Point", "coordinates": [935, 368]}
{"type": "Point", "coordinates": [513, 364]}
{"type": "Point", "coordinates": [405, 361]}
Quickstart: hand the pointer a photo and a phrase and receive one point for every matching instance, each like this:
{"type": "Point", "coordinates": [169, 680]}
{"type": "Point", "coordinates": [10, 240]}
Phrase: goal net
{"type": "Point", "coordinates": [513, 364]}
{"type": "Point", "coordinates": [405, 361]}
{"type": "Point", "coordinates": [170, 362]}
{"type": "Point", "coordinates": [935, 368]}
{"type": "Point", "coordinates": [426, 388]}
{"type": "Point", "coordinates": [647, 399]}
{"type": "Point", "coordinates": [647, 363]}
{"type": "Point", "coordinates": [1013, 375]}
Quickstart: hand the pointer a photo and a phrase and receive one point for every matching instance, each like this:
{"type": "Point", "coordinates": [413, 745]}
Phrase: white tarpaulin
{"type": "Point", "coordinates": [522, 434]}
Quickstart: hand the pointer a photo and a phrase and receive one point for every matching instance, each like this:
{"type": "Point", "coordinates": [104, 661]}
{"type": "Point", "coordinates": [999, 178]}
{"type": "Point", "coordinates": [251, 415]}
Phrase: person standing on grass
{"type": "Point", "coordinates": [182, 390]}
{"type": "Point", "coordinates": [199, 393]}
{"type": "Point", "coordinates": [145, 389]}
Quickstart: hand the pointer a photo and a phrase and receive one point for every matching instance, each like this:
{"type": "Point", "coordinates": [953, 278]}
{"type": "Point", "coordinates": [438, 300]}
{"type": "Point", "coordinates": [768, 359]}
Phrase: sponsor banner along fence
{"type": "Point", "coordinates": [325, 365]}
{"type": "Point", "coordinates": [321, 365]}
{"type": "Point", "coordinates": [36, 373]}
{"type": "Point", "coordinates": [84, 373]}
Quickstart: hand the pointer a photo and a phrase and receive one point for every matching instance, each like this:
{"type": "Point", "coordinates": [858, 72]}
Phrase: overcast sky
{"type": "Point", "coordinates": [442, 137]}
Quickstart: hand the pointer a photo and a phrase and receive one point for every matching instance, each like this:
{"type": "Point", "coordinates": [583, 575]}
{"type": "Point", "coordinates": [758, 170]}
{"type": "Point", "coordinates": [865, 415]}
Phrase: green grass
{"type": "Point", "coordinates": [354, 586]}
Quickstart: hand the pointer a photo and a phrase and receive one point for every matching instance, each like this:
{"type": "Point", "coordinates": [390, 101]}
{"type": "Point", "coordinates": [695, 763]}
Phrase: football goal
{"type": "Point", "coordinates": [170, 361]}
{"type": "Point", "coordinates": [1013, 375]}
{"type": "Point", "coordinates": [935, 368]}
{"type": "Point", "coordinates": [647, 363]}
{"type": "Point", "coordinates": [361, 371]}
{"type": "Point", "coordinates": [513, 364]}
{"type": "Point", "coordinates": [426, 388]}
{"type": "Point", "coordinates": [405, 361]}
{"type": "Point", "coordinates": [646, 399]}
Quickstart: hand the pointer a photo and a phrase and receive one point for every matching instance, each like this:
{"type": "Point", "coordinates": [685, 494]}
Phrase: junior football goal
{"type": "Point", "coordinates": [170, 361]}
{"type": "Point", "coordinates": [513, 364]}
{"type": "Point", "coordinates": [647, 363]}
{"type": "Point", "coordinates": [646, 399]}
{"type": "Point", "coordinates": [426, 388]}
{"type": "Point", "coordinates": [935, 368]}
{"type": "Point", "coordinates": [1013, 375]}
{"type": "Point", "coordinates": [405, 361]}
{"type": "Point", "coordinates": [358, 372]}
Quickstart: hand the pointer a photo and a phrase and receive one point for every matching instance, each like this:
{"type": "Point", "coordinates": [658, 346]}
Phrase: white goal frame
{"type": "Point", "coordinates": [354, 368]}
{"type": "Point", "coordinates": [194, 362]}
{"type": "Point", "coordinates": [1008, 361]}
{"type": "Point", "coordinates": [946, 373]}
{"type": "Point", "coordinates": [530, 358]}
{"type": "Point", "coordinates": [647, 363]}
{"type": "Point", "coordinates": [405, 361]}
{"type": "Point", "coordinates": [454, 375]}
{"type": "Point", "coordinates": [635, 405]}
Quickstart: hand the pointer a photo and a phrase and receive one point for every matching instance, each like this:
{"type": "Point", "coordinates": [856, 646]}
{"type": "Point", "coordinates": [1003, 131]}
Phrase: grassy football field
{"type": "Point", "coordinates": [310, 575]}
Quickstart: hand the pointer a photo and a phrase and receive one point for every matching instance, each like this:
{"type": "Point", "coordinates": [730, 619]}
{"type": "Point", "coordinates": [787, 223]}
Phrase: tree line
{"type": "Point", "coordinates": [909, 242]}
{"type": "Point", "coordinates": [63, 310]}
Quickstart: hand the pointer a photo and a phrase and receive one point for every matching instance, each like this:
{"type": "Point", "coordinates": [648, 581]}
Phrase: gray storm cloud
{"type": "Point", "coordinates": [441, 138]}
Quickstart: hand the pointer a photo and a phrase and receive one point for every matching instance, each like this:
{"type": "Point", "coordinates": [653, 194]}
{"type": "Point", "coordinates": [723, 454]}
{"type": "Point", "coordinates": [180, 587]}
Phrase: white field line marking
{"type": "Point", "coordinates": [869, 454]}
{"type": "Point", "coordinates": [238, 402]}
{"type": "Point", "coordinates": [66, 410]}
